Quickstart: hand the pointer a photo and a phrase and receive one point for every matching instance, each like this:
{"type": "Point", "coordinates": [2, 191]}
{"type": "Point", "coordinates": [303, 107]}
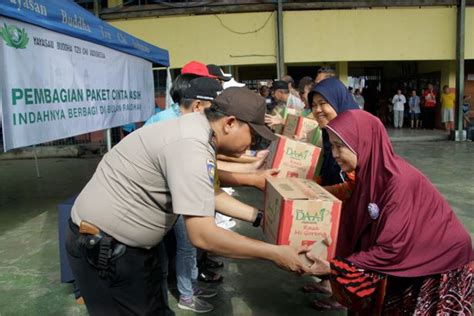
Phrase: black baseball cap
{"type": "Point", "coordinates": [202, 89]}
{"type": "Point", "coordinates": [245, 105]}
{"type": "Point", "coordinates": [280, 85]}
{"type": "Point", "coordinates": [216, 71]}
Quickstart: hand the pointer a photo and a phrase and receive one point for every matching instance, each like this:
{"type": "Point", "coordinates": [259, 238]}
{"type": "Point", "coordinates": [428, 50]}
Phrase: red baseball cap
{"type": "Point", "coordinates": [196, 68]}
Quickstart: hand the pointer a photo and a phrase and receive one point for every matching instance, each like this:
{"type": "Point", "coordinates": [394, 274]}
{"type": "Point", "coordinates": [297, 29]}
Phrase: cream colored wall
{"type": "Point", "coordinates": [375, 34]}
{"type": "Point", "coordinates": [342, 71]}
{"type": "Point", "coordinates": [206, 39]}
{"type": "Point", "coordinates": [309, 36]}
{"type": "Point", "coordinates": [469, 36]}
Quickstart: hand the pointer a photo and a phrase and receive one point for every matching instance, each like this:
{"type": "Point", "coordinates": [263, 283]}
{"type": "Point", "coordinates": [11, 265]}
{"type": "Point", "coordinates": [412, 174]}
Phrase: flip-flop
{"type": "Point", "coordinates": [209, 276]}
{"type": "Point", "coordinates": [327, 304]}
{"type": "Point", "coordinates": [316, 287]}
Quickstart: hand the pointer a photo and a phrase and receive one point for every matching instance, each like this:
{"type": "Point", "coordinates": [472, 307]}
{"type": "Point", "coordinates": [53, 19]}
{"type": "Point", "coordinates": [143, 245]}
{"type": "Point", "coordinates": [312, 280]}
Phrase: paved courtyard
{"type": "Point", "coordinates": [29, 264]}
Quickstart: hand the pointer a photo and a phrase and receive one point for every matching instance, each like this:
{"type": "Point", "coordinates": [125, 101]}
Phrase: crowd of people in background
{"type": "Point", "coordinates": [406, 108]}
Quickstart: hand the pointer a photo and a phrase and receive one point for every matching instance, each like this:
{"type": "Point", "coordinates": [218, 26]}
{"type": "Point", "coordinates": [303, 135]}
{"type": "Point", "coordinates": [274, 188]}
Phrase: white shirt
{"type": "Point", "coordinates": [294, 103]}
{"type": "Point", "coordinates": [398, 102]}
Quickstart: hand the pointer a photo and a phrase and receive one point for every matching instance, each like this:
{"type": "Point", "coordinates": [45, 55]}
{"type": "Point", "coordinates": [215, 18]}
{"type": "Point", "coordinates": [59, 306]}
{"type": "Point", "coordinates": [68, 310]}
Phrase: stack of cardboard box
{"type": "Point", "coordinates": [298, 212]}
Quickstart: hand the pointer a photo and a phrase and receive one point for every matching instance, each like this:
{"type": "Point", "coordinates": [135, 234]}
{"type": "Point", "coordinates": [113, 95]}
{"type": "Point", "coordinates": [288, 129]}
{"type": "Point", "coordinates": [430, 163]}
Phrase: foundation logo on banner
{"type": "Point", "coordinates": [13, 36]}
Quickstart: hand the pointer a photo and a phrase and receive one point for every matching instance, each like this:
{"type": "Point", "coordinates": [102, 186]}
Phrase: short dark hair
{"type": "Point", "coordinates": [326, 70]}
{"type": "Point", "coordinates": [305, 81]}
{"type": "Point", "coordinates": [186, 103]}
{"type": "Point", "coordinates": [212, 115]}
{"type": "Point", "coordinates": [180, 84]}
{"type": "Point", "coordinates": [288, 79]}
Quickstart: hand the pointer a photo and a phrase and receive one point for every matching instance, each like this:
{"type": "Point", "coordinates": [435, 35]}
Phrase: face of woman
{"type": "Point", "coordinates": [322, 111]}
{"type": "Point", "coordinates": [344, 157]}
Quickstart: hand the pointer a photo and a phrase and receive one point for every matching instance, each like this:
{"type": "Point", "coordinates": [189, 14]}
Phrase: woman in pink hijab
{"type": "Point", "coordinates": [401, 249]}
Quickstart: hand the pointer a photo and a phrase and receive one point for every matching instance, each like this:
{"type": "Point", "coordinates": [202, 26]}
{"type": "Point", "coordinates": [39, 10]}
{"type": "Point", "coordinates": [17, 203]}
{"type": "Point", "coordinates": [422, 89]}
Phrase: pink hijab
{"type": "Point", "coordinates": [395, 222]}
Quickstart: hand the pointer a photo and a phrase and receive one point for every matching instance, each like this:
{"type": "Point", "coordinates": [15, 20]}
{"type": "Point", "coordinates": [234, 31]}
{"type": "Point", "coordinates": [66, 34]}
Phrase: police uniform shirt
{"type": "Point", "coordinates": [155, 173]}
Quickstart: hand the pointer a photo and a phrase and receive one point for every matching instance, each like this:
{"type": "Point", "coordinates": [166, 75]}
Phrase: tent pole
{"type": "Point", "coordinates": [460, 39]}
{"type": "Point", "coordinates": [38, 175]}
{"type": "Point", "coordinates": [96, 8]}
{"type": "Point", "coordinates": [108, 133]}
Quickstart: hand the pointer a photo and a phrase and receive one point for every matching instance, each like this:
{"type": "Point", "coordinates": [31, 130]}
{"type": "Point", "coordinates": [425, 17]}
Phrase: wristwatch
{"type": "Point", "coordinates": [258, 219]}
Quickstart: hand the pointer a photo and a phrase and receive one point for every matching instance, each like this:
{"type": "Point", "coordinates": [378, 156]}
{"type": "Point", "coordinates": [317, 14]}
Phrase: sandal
{"type": "Point", "coordinates": [209, 276]}
{"type": "Point", "coordinates": [316, 287]}
{"type": "Point", "coordinates": [327, 304]}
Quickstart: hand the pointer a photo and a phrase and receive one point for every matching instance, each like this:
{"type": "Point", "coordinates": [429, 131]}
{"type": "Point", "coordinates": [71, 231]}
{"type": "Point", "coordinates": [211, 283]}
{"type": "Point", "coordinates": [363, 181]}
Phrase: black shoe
{"type": "Point", "coordinates": [209, 276]}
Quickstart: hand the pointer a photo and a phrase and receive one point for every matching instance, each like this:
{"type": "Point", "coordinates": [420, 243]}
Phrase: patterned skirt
{"type": "Point", "coordinates": [368, 293]}
{"type": "Point", "coordinates": [443, 294]}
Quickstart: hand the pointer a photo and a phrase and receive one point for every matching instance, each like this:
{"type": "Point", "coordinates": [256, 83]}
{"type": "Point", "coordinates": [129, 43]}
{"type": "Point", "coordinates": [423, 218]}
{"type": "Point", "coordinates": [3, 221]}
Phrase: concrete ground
{"type": "Point", "coordinates": [29, 264]}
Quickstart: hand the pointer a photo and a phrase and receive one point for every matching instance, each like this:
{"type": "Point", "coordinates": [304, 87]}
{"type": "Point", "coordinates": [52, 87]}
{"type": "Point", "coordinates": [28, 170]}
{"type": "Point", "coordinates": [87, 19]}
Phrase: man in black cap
{"type": "Point", "coordinates": [282, 95]}
{"type": "Point", "coordinates": [217, 72]}
{"type": "Point", "coordinates": [142, 185]}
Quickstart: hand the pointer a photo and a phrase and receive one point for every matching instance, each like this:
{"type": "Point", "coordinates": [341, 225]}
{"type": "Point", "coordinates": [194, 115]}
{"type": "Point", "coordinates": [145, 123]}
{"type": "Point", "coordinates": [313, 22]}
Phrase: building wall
{"type": "Point", "coordinates": [426, 33]}
{"type": "Point", "coordinates": [210, 38]}
{"type": "Point", "coordinates": [371, 34]}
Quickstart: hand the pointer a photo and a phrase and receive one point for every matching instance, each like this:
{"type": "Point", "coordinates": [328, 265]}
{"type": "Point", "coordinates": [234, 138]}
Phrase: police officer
{"type": "Point", "coordinates": [141, 185]}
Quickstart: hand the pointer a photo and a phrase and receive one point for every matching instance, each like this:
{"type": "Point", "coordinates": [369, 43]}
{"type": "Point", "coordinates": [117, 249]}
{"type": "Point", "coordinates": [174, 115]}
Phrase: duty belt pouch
{"type": "Point", "coordinates": [101, 250]}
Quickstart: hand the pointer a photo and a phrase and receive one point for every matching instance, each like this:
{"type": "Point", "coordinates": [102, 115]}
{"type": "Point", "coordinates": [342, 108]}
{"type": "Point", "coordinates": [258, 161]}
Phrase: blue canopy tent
{"type": "Point", "coordinates": [67, 17]}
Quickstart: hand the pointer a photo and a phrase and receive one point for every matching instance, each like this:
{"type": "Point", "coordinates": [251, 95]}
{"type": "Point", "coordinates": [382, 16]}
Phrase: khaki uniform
{"type": "Point", "coordinates": [150, 177]}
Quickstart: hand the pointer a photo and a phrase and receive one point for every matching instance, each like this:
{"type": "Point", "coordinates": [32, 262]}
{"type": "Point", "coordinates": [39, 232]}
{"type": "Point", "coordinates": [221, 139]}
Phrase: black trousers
{"type": "Point", "coordinates": [134, 284]}
{"type": "Point", "coordinates": [428, 117]}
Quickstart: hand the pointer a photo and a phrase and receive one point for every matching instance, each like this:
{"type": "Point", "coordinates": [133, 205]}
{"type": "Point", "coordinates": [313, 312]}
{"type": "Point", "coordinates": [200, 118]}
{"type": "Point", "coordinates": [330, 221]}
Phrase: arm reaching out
{"type": "Point", "coordinates": [203, 233]}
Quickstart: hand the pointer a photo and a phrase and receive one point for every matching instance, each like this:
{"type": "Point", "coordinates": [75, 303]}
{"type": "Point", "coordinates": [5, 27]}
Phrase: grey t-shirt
{"type": "Point", "coordinates": [155, 173]}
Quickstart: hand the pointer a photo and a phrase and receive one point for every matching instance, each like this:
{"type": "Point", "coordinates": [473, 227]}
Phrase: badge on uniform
{"type": "Point", "coordinates": [211, 169]}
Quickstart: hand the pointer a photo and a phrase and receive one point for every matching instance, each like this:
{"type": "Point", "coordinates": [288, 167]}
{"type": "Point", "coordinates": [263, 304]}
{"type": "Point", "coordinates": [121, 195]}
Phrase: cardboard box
{"type": "Point", "coordinates": [293, 158]}
{"type": "Point", "coordinates": [283, 111]}
{"type": "Point", "coordinates": [303, 129]}
{"type": "Point", "coordinates": [299, 212]}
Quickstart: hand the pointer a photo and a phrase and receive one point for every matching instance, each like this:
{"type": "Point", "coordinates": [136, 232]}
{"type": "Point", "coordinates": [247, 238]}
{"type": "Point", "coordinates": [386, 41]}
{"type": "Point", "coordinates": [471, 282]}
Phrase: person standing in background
{"type": "Point", "coordinates": [398, 102]}
{"type": "Point", "coordinates": [414, 103]}
{"type": "Point", "coordinates": [359, 99]}
{"type": "Point", "coordinates": [282, 95]}
{"type": "Point", "coordinates": [291, 85]}
{"type": "Point", "coordinates": [305, 85]}
{"type": "Point", "coordinates": [429, 109]}
{"type": "Point", "coordinates": [265, 92]}
{"type": "Point", "coordinates": [447, 99]}
{"type": "Point", "coordinates": [324, 73]}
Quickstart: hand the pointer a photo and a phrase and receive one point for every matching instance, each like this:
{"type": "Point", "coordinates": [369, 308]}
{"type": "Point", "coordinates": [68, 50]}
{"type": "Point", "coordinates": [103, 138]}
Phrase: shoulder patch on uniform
{"type": "Point", "coordinates": [211, 169]}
